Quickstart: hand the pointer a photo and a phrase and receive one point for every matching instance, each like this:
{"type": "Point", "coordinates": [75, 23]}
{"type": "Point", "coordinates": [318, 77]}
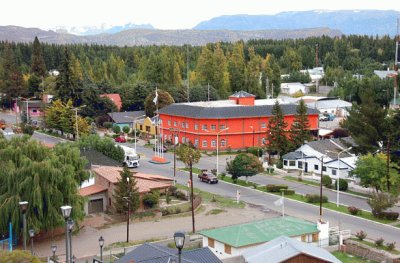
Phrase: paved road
{"type": "Point", "coordinates": [9, 117]}
{"type": "Point", "coordinates": [302, 210]}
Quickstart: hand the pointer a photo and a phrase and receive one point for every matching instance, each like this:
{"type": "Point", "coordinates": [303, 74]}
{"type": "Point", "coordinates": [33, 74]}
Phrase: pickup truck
{"type": "Point", "coordinates": [208, 177]}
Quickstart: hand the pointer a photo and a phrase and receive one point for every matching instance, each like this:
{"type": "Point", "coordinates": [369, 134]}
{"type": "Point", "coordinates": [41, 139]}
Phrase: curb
{"type": "Point", "coordinates": [55, 137]}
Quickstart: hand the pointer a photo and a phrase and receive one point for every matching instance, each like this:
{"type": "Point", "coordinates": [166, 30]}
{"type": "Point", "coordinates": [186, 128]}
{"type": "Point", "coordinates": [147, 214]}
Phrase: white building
{"type": "Point", "coordinates": [292, 88]}
{"type": "Point", "coordinates": [323, 154]}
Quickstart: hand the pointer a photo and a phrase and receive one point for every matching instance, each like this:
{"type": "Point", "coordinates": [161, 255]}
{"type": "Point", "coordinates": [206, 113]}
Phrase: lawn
{"type": "Point", "coordinates": [347, 258]}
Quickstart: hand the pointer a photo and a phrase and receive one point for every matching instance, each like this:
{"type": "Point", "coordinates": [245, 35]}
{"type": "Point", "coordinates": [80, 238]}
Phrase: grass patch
{"type": "Point", "coordinates": [347, 258]}
{"type": "Point", "coordinates": [238, 181]}
{"type": "Point", "coordinates": [296, 179]}
{"type": "Point", "coordinates": [194, 169]}
{"type": "Point", "coordinates": [220, 201]}
{"type": "Point", "coordinates": [215, 211]}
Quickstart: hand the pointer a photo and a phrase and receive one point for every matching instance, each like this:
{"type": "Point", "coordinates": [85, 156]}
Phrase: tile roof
{"type": "Point", "coordinates": [114, 97]}
{"type": "Point", "coordinates": [228, 112]}
{"type": "Point", "coordinates": [125, 117]}
{"type": "Point", "coordinates": [144, 182]}
{"type": "Point", "coordinates": [154, 253]}
{"type": "Point", "coordinates": [260, 231]}
{"type": "Point", "coordinates": [92, 189]}
{"type": "Point", "coordinates": [283, 248]}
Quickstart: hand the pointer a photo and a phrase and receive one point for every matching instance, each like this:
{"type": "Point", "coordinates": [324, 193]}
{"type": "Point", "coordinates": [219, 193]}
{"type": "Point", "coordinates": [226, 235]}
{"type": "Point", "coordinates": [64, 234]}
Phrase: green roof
{"type": "Point", "coordinates": [260, 231]}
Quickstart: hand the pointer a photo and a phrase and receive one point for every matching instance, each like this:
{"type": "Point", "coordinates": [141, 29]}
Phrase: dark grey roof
{"type": "Point", "coordinates": [294, 156]}
{"type": "Point", "coordinates": [331, 147]}
{"type": "Point", "coordinates": [125, 117]}
{"type": "Point", "coordinates": [31, 104]}
{"type": "Point", "coordinates": [241, 94]}
{"type": "Point", "coordinates": [228, 112]}
{"type": "Point", "coordinates": [154, 253]}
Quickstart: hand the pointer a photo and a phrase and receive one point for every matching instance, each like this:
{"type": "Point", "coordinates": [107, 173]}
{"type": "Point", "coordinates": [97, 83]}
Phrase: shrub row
{"type": "Point", "coordinates": [389, 215]}
{"type": "Point", "coordinates": [354, 210]}
{"type": "Point", "coordinates": [288, 192]}
{"type": "Point", "coordinates": [314, 198]}
{"type": "Point", "coordinates": [275, 188]}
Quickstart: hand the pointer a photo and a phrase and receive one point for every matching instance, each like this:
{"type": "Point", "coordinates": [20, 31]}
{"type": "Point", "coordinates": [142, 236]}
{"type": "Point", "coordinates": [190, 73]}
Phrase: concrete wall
{"type": "Point", "coordinates": [95, 197]}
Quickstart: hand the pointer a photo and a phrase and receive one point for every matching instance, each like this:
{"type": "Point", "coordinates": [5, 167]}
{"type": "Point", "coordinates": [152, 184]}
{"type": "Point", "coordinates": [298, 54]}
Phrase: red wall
{"type": "Point", "coordinates": [240, 134]}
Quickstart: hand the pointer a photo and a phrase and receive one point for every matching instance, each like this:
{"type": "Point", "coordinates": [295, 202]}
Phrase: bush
{"type": "Point", "coordinates": [107, 125]}
{"type": "Point", "coordinates": [354, 210]}
{"type": "Point", "coordinates": [273, 188]}
{"type": "Point", "coordinates": [223, 175]}
{"type": "Point", "coordinates": [361, 235]}
{"type": "Point", "coordinates": [343, 185]}
{"type": "Point", "coordinates": [390, 246]}
{"type": "Point", "coordinates": [288, 192]}
{"type": "Point", "coordinates": [178, 210]}
{"type": "Point", "coordinates": [116, 129]}
{"type": "Point", "coordinates": [27, 129]}
{"type": "Point", "coordinates": [257, 151]}
{"type": "Point", "coordinates": [379, 242]}
{"type": "Point", "coordinates": [126, 129]}
{"type": "Point", "coordinates": [165, 212]}
{"type": "Point", "coordinates": [168, 199]}
{"type": "Point", "coordinates": [326, 181]}
{"type": "Point", "coordinates": [279, 164]}
{"type": "Point", "coordinates": [314, 198]}
{"type": "Point", "coordinates": [270, 169]}
{"type": "Point", "coordinates": [389, 215]}
{"type": "Point", "coordinates": [150, 200]}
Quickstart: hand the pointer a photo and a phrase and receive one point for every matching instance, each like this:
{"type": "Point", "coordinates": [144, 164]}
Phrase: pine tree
{"type": "Point", "coordinates": [299, 132]}
{"type": "Point", "coordinates": [38, 66]}
{"type": "Point", "coordinates": [126, 187]}
{"type": "Point", "coordinates": [65, 85]}
{"type": "Point", "coordinates": [237, 67]}
{"type": "Point", "coordinates": [277, 140]}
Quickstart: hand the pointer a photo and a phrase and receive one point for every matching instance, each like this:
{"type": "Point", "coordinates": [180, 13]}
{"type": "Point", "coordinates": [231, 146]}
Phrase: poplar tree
{"type": "Point", "coordinates": [300, 130]}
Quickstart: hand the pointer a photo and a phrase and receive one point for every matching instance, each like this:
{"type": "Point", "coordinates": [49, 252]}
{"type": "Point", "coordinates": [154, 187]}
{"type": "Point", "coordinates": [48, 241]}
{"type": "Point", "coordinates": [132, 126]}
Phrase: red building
{"type": "Point", "coordinates": [239, 122]}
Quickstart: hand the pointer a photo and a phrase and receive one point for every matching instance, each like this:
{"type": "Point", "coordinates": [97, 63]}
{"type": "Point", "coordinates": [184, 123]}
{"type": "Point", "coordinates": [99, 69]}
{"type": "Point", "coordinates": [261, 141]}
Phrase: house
{"type": "Point", "coordinates": [233, 240]}
{"type": "Point", "coordinates": [237, 123]}
{"type": "Point", "coordinates": [100, 193]}
{"type": "Point", "coordinates": [309, 157]}
{"type": "Point", "coordinates": [288, 250]}
{"type": "Point", "coordinates": [154, 253]}
{"type": "Point", "coordinates": [127, 118]}
{"type": "Point", "coordinates": [292, 88]}
{"type": "Point", "coordinates": [332, 105]}
{"type": "Point", "coordinates": [147, 126]}
{"type": "Point", "coordinates": [383, 74]}
{"type": "Point", "coordinates": [115, 98]}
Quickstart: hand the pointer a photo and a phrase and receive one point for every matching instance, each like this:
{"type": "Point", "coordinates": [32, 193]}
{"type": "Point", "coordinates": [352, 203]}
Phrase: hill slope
{"type": "Point", "coordinates": [369, 22]}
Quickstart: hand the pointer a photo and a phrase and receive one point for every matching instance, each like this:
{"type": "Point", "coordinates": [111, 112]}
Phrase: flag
{"type": "Point", "coordinates": [279, 202]}
{"type": "Point", "coordinates": [155, 98]}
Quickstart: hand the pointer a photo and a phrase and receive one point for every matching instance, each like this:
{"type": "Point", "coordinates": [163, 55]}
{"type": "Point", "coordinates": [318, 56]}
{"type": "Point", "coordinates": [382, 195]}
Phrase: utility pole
{"type": "Point", "coordinates": [320, 190]}
{"type": "Point", "coordinates": [208, 91]}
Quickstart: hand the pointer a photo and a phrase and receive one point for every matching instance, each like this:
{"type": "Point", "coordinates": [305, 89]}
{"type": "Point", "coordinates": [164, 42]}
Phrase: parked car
{"type": "Point", "coordinates": [120, 139]}
{"type": "Point", "coordinates": [208, 177]}
{"type": "Point", "coordinates": [330, 116]}
{"type": "Point", "coordinates": [323, 117]}
{"type": "Point", "coordinates": [164, 149]}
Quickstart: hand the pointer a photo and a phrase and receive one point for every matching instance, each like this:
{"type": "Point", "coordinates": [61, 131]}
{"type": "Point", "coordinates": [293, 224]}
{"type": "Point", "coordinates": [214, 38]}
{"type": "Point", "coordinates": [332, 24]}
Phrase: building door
{"type": "Point", "coordinates": [305, 167]}
{"type": "Point", "coordinates": [95, 206]}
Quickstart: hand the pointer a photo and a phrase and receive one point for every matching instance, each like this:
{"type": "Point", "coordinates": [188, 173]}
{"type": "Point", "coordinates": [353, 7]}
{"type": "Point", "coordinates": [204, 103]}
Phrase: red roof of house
{"type": "Point", "coordinates": [114, 97]}
{"type": "Point", "coordinates": [144, 182]}
{"type": "Point", "coordinates": [92, 189]}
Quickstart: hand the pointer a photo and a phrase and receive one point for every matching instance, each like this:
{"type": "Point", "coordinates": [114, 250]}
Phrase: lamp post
{"type": "Point", "coordinates": [179, 238]}
{"type": "Point", "coordinates": [134, 125]}
{"type": "Point", "coordinates": [338, 175]}
{"type": "Point", "coordinates": [54, 249]}
{"type": "Point", "coordinates": [24, 206]}
{"type": "Point", "coordinates": [76, 120]}
{"type": "Point", "coordinates": [70, 228]}
{"type": "Point", "coordinates": [227, 128]}
{"type": "Point", "coordinates": [66, 212]}
{"type": "Point", "coordinates": [128, 200]}
{"type": "Point", "coordinates": [31, 235]}
{"type": "Point", "coordinates": [101, 243]}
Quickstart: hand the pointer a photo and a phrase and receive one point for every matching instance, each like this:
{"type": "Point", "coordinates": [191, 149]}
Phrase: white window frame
{"type": "Point", "coordinates": [204, 143]}
{"type": "Point", "coordinates": [196, 126]}
{"type": "Point", "coordinates": [204, 127]}
{"type": "Point", "coordinates": [223, 143]}
{"type": "Point", "coordinates": [213, 143]}
{"type": "Point", "coordinates": [169, 122]}
{"type": "Point", "coordinates": [175, 123]}
{"type": "Point", "coordinates": [213, 127]}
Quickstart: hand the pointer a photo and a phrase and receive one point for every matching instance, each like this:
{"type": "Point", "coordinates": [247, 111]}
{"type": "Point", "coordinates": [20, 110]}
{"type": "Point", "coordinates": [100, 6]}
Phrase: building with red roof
{"type": "Point", "coordinates": [114, 97]}
{"type": "Point", "coordinates": [100, 194]}
{"type": "Point", "coordinates": [240, 122]}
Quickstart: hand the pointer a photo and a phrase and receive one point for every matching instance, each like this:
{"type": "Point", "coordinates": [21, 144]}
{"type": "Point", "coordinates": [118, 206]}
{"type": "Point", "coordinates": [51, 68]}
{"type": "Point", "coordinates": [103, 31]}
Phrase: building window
{"type": "Point", "coordinates": [299, 164]}
{"type": "Point", "coordinates": [175, 123]}
{"type": "Point", "coordinates": [285, 162]}
{"type": "Point", "coordinates": [196, 142]}
{"type": "Point", "coordinates": [183, 125]}
{"type": "Point", "coordinates": [204, 127]}
{"type": "Point", "coordinates": [204, 143]}
{"type": "Point", "coordinates": [169, 123]}
{"type": "Point", "coordinates": [324, 168]}
{"type": "Point", "coordinates": [183, 139]}
{"type": "Point", "coordinates": [196, 126]}
{"type": "Point", "coordinates": [211, 242]}
{"type": "Point", "coordinates": [213, 127]}
{"type": "Point", "coordinates": [141, 127]}
{"type": "Point", "coordinates": [333, 172]}
{"type": "Point", "coordinates": [222, 126]}
{"type": "Point", "coordinates": [292, 163]}
{"type": "Point", "coordinates": [187, 125]}
{"type": "Point", "coordinates": [315, 237]}
{"type": "Point", "coordinates": [263, 125]}
{"type": "Point", "coordinates": [223, 143]}
{"type": "Point", "coordinates": [34, 111]}
{"type": "Point", "coordinates": [147, 128]}
{"type": "Point", "coordinates": [213, 143]}
{"type": "Point", "coordinates": [316, 167]}
{"type": "Point", "coordinates": [227, 249]}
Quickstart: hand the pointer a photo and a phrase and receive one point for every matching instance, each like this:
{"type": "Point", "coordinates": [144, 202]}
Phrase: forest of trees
{"type": "Point", "coordinates": [133, 72]}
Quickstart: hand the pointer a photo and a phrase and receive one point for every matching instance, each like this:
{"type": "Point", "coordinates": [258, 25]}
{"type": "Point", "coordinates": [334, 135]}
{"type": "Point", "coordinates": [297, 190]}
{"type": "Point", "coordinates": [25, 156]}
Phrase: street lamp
{"type": "Point", "coordinates": [101, 243]}
{"type": "Point", "coordinates": [76, 120]}
{"type": "Point", "coordinates": [227, 128]}
{"type": "Point", "coordinates": [54, 249]}
{"type": "Point", "coordinates": [66, 212]}
{"type": "Point", "coordinates": [179, 238]}
{"type": "Point", "coordinates": [338, 174]}
{"type": "Point", "coordinates": [128, 200]}
{"type": "Point", "coordinates": [24, 206]}
{"type": "Point", "coordinates": [31, 235]}
{"type": "Point", "coordinates": [70, 227]}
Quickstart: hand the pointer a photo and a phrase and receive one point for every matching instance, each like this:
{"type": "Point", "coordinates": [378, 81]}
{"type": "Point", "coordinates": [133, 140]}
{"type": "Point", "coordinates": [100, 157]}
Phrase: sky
{"type": "Point", "coordinates": [162, 14]}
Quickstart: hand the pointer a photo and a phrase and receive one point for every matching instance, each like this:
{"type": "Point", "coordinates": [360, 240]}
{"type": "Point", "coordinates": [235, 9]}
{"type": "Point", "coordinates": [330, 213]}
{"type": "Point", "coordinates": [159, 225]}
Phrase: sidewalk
{"type": "Point", "coordinates": [85, 243]}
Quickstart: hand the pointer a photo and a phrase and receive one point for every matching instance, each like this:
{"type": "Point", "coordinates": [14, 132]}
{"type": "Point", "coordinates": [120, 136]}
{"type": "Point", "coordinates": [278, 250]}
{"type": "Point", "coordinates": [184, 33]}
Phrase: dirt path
{"type": "Point", "coordinates": [85, 243]}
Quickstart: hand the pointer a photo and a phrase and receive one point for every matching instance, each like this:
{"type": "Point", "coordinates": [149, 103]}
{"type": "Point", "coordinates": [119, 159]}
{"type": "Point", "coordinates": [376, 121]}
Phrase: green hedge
{"type": "Point", "coordinates": [314, 198]}
{"type": "Point", "coordinates": [275, 188]}
{"type": "Point", "coordinates": [288, 192]}
{"type": "Point", "coordinates": [104, 145]}
{"type": "Point", "coordinates": [343, 185]}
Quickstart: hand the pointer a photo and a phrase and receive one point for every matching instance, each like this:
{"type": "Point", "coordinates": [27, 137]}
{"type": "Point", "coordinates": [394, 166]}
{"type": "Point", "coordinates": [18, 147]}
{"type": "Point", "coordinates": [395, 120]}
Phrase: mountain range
{"type": "Point", "coordinates": [134, 37]}
{"type": "Point", "coordinates": [359, 22]}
